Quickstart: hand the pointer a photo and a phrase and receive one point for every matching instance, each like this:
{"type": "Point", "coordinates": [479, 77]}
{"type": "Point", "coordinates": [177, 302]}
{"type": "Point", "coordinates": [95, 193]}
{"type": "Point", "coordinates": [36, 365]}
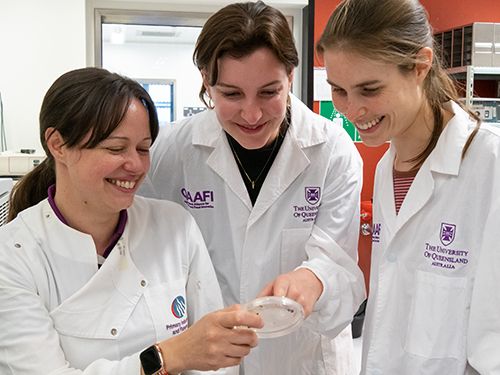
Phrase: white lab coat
{"type": "Point", "coordinates": [59, 314]}
{"type": "Point", "coordinates": [420, 318]}
{"type": "Point", "coordinates": [288, 227]}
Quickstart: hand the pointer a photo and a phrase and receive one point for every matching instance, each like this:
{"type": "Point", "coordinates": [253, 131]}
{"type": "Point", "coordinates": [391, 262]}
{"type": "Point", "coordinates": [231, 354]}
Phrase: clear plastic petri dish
{"type": "Point", "coordinates": [281, 315]}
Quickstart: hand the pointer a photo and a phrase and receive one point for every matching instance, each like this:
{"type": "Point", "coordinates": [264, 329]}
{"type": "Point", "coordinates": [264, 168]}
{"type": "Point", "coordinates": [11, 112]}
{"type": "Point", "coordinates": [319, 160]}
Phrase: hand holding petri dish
{"type": "Point", "coordinates": [281, 315]}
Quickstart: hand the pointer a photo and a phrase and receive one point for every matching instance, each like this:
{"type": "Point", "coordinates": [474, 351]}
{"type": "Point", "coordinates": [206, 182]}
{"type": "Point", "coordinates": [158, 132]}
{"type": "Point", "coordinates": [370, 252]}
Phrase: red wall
{"type": "Point", "coordinates": [448, 14]}
{"type": "Point", "coordinates": [443, 14]}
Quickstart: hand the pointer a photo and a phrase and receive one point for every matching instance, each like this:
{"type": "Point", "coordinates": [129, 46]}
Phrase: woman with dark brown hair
{"type": "Point", "coordinates": [274, 188]}
{"type": "Point", "coordinates": [94, 280]}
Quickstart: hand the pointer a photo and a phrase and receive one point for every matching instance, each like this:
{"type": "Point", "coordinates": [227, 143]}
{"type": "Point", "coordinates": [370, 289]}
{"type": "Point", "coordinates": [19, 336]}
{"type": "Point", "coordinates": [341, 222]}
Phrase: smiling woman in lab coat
{"type": "Point", "coordinates": [433, 306]}
{"type": "Point", "coordinates": [274, 188]}
{"type": "Point", "coordinates": [91, 278]}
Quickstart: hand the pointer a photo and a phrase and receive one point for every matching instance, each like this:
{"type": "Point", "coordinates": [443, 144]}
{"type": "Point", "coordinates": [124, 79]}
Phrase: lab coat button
{"type": "Point", "coordinates": [18, 245]}
{"type": "Point", "coordinates": [143, 282]}
{"type": "Point", "coordinates": [114, 331]}
{"type": "Point", "coordinates": [47, 215]}
{"type": "Point", "coordinates": [391, 257]}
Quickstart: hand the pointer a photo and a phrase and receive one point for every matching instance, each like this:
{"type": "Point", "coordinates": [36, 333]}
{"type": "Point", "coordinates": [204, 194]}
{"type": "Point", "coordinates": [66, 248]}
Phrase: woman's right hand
{"type": "Point", "coordinates": [212, 342]}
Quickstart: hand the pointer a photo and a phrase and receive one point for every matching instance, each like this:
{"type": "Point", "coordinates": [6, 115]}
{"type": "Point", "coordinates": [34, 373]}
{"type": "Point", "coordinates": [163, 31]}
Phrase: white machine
{"type": "Point", "coordinates": [18, 163]}
{"type": "Point", "coordinates": [5, 188]}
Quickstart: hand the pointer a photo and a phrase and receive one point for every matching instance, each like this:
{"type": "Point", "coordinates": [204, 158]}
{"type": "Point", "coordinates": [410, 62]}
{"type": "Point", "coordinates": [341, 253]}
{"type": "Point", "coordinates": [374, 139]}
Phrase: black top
{"type": "Point", "coordinates": [256, 163]}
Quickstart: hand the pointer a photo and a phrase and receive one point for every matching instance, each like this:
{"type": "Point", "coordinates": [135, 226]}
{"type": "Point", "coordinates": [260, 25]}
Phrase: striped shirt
{"type": "Point", "coordinates": [402, 182]}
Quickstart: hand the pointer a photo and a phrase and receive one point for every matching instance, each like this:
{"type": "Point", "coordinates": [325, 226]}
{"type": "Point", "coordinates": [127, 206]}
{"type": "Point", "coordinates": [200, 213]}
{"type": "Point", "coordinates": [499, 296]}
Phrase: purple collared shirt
{"type": "Point", "coordinates": [119, 228]}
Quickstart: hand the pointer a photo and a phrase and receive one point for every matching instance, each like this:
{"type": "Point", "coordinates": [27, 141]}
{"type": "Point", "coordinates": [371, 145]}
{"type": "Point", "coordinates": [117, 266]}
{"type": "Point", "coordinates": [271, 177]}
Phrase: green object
{"type": "Point", "coordinates": [326, 109]}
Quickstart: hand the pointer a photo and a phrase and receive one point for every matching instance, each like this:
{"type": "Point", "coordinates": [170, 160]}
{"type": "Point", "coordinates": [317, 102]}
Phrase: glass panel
{"type": "Point", "coordinates": [153, 54]}
{"type": "Point", "coordinates": [162, 93]}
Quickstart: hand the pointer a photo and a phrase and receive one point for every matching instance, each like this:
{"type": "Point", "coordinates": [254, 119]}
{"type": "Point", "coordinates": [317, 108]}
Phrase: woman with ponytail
{"type": "Point", "coordinates": [94, 280]}
{"type": "Point", "coordinates": [432, 307]}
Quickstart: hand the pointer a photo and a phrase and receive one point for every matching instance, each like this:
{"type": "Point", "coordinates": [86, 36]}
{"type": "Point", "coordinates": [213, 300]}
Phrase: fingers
{"type": "Point", "coordinates": [278, 287]}
{"type": "Point", "coordinates": [213, 342]}
{"type": "Point", "coordinates": [235, 307]}
{"type": "Point", "coordinates": [244, 337]}
{"type": "Point", "coordinates": [234, 316]}
{"type": "Point", "coordinates": [233, 344]}
{"type": "Point", "coordinates": [267, 291]}
{"type": "Point", "coordinates": [301, 285]}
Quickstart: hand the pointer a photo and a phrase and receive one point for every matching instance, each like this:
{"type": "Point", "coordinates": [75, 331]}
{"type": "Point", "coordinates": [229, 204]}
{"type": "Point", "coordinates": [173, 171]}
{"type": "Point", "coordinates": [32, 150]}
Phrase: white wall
{"type": "Point", "coordinates": [159, 61]}
{"type": "Point", "coordinates": [39, 40]}
{"type": "Point", "coordinates": [42, 39]}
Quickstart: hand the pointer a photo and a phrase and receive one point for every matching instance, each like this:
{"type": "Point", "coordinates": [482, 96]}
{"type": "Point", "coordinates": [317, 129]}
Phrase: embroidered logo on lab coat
{"type": "Point", "coordinates": [308, 212]}
{"type": "Point", "coordinates": [377, 227]}
{"type": "Point", "coordinates": [447, 233]}
{"type": "Point", "coordinates": [179, 311]}
{"type": "Point", "coordinates": [313, 195]}
{"type": "Point", "coordinates": [179, 307]}
{"type": "Point", "coordinates": [198, 199]}
{"type": "Point", "coordinates": [445, 257]}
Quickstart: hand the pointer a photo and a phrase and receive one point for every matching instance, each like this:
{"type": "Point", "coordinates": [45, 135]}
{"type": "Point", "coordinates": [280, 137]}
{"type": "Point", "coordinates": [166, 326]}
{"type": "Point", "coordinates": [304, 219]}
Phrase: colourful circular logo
{"type": "Point", "coordinates": [179, 307]}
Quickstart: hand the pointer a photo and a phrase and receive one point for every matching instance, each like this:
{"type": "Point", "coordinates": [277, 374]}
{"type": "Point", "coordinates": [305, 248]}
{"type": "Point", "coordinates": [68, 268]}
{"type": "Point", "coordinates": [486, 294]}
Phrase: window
{"type": "Point", "coordinates": [162, 93]}
{"type": "Point", "coordinates": [154, 48]}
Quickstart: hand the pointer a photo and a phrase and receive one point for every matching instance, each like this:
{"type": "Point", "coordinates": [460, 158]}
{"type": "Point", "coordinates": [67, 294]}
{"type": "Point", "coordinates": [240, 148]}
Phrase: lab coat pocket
{"type": "Point", "coordinates": [436, 321]}
{"type": "Point", "coordinates": [293, 243]}
{"type": "Point", "coordinates": [168, 306]}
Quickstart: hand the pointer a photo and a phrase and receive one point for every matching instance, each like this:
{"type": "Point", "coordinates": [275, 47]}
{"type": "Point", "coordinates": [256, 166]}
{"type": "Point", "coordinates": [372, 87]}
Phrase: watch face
{"type": "Point", "coordinates": [150, 360]}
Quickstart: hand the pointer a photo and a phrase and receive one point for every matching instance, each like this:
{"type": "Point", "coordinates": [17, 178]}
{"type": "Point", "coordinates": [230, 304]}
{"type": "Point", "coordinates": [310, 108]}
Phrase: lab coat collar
{"type": "Point", "coordinates": [301, 133]}
{"type": "Point", "coordinates": [100, 300]}
{"type": "Point", "coordinates": [208, 132]}
{"type": "Point", "coordinates": [446, 158]}
{"type": "Point", "coordinates": [447, 155]}
{"type": "Point", "coordinates": [83, 248]}
{"type": "Point", "coordinates": [54, 235]}
{"type": "Point", "coordinates": [310, 134]}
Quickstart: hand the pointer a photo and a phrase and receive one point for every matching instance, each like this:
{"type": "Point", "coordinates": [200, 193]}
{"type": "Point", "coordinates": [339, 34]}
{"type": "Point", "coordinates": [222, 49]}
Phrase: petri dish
{"type": "Point", "coordinates": [281, 315]}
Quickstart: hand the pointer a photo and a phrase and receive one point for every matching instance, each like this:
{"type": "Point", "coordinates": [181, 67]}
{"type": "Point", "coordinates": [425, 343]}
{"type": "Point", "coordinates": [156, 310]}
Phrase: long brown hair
{"type": "Point", "coordinates": [394, 31]}
{"type": "Point", "coordinates": [81, 102]}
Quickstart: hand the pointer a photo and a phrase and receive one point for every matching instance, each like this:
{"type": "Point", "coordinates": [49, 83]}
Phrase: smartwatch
{"type": "Point", "coordinates": [152, 361]}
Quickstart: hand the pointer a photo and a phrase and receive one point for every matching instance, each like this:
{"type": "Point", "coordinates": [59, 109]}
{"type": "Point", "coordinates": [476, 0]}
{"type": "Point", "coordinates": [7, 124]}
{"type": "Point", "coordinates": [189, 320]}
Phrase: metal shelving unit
{"type": "Point", "coordinates": [470, 73]}
{"type": "Point", "coordinates": [472, 52]}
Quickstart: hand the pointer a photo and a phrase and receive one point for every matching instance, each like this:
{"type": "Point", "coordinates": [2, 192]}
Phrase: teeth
{"type": "Point", "coordinates": [123, 184]}
{"type": "Point", "coordinates": [369, 124]}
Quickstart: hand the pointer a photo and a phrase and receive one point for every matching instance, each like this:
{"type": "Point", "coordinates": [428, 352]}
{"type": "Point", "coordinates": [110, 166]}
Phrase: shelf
{"type": "Point", "coordinates": [482, 72]}
{"type": "Point", "coordinates": [470, 73]}
{"type": "Point", "coordinates": [473, 44]}
{"type": "Point", "coordinates": [472, 52]}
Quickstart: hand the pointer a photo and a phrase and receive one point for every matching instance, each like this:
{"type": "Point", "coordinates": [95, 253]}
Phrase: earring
{"type": "Point", "coordinates": [288, 100]}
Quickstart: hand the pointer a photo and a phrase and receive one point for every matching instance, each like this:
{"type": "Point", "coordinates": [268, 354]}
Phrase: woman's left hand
{"type": "Point", "coordinates": [301, 285]}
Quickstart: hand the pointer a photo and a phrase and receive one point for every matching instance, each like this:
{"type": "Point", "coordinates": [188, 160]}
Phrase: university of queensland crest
{"type": "Point", "coordinates": [447, 234]}
{"type": "Point", "coordinates": [313, 195]}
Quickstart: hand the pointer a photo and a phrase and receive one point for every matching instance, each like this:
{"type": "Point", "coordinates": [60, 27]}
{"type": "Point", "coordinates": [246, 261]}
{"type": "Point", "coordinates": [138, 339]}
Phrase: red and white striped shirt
{"type": "Point", "coordinates": [402, 183]}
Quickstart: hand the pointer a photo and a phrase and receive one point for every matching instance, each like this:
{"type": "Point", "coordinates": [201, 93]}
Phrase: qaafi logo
{"type": "Point", "coordinates": [313, 195]}
{"type": "Point", "coordinates": [376, 229]}
{"type": "Point", "coordinates": [179, 307]}
{"type": "Point", "coordinates": [447, 234]}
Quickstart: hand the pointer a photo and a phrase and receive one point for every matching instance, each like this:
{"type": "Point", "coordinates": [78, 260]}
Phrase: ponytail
{"type": "Point", "coordinates": [32, 188]}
